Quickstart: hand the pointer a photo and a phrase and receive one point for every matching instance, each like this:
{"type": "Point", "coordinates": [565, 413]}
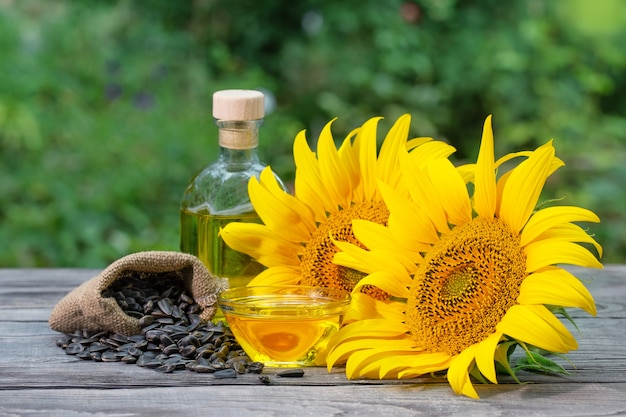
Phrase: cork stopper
{"type": "Point", "coordinates": [238, 105]}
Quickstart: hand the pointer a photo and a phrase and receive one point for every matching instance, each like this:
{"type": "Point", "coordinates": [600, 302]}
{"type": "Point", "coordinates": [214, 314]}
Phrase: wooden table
{"type": "Point", "coordinates": [38, 379]}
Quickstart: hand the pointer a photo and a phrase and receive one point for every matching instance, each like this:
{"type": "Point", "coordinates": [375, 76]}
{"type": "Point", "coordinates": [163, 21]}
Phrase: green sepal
{"type": "Point", "coordinates": [556, 310]}
{"type": "Point", "coordinates": [536, 361]}
{"type": "Point", "coordinates": [503, 358]}
{"type": "Point", "coordinates": [475, 372]}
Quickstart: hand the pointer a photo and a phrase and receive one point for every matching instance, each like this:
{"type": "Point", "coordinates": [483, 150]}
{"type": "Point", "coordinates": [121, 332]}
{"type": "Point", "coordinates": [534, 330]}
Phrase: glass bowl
{"type": "Point", "coordinates": [283, 326]}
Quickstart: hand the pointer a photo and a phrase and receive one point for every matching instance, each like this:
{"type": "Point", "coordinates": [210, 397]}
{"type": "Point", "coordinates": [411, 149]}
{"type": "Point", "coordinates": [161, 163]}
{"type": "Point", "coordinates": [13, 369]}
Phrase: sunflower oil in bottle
{"type": "Point", "coordinates": [218, 195]}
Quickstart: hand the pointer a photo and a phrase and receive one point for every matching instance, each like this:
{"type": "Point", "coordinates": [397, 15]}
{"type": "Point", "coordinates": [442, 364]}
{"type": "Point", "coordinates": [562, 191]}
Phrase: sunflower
{"type": "Point", "coordinates": [470, 265]}
{"type": "Point", "coordinates": [295, 241]}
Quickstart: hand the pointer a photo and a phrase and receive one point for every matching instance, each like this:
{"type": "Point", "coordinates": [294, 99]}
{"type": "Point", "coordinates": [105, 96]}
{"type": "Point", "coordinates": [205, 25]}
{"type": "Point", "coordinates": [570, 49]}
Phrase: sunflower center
{"type": "Point", "coordinates": [455, 285]}
{"type": "Point", "coordinates": [465, 285]}
{"type": "Point", "coordinates": [350, 276]}
{"type": "Point", "coordinates": [316, 264]}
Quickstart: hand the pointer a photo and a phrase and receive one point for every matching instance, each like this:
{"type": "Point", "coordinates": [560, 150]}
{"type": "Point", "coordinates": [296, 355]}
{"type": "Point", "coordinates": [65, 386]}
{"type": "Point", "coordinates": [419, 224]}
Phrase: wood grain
{"type": "Point", "coordinates": [38, 378]}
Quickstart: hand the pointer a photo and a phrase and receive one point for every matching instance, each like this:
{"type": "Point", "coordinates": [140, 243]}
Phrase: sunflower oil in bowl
{"type": "Point", "coordinates": [284, 326]}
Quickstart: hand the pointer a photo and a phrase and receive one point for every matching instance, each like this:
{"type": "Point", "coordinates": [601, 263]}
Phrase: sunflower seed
{"type": "Point", "coordinates": [166, 368]}
{"type": "Point", "coordinates": [98, 347]}
{"type": "Point", "coordinates": [74, 348]}
{"type": "Point", "coordinates": [110, 356]}
{"type": "Point", "coordinates": [171, 349]}
{"type": "Point", "coordinates": [166, 340]}
{"type": "Point", "coordinates": [255, 367]}
{"type": "Point", "coordinates": [85, 355]}
{"type": "Point", "coordinates": [165, 304]}
{"type": "Point", "coordinates": [239, 367]}
{"type": "Point", "coordinates": [188, 351]}
{"type": "Point", "coordinates": [146, 321]}
{"type": "Point", "coordinates": [225, 373]}
{"type": "Point", "coordinates": [63, 341]}
{"type": "Point", "coordinates": [291, 373]}
{"type": "Point", "coordinates": [129, 359]}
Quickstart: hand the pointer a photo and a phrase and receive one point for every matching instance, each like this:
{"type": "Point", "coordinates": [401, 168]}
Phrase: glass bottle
{"type": "Point", "coordinates": [218, 195]}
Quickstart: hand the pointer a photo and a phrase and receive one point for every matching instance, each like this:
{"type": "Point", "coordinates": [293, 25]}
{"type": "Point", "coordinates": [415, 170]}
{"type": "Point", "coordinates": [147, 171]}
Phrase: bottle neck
{"type": "Point", "coordinates": [241, 158]}
{"type": "Point", "coordinates": [238, 135]}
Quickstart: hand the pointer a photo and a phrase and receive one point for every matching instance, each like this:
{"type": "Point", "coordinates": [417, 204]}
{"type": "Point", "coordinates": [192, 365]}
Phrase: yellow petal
{"type": "Point", "coordinates": [535, 324]}
{"type": "Point", "coordinates": [485, 356]}
{"type": "Point", "coordinates": [397, 286]}
{"type": "Point", "coordinates": [485, 177]}
{"type": "Point", "coordinates": [360, 360]}
{"type": "Point", "coordinates": [341, 352]}
{"type": "Point", "coordinates": [415, 142]}
{"type": "Point", "coordinates": [429, 151]}
{"type": "Point", "coordinates": [362, 307]}
{"type": "Point", "coordinates": [359, 259]}
{"type": "Point", "coordinates": [523, 187]}
{"type": "Point", "coordinates": [548, 252]}
{"type": "Point", "coordinates": [416, 363]}
{"type": "Point", "coordinates": [308, 194]}
{"type": "Point", "coordinates": [421, 152]}
{"type": "Point", "coordinates": [393, 351]}
{"type": "Point", "coordinates": [423, 192]}
{"type": "Point", "coordinates": [278, 209]}
{"type": "Point", "coordinates": [414, 227]}
{"type": "Point", "coordinates": [350, 153]}
{"type": "Point", "coordinates": [549, 217]}
{"type": "Point", "coordinates": [304, 157]}
{"type": "Point", "coordinates": [350, 166]}
{"type": "Point", "coordinates": [555, 164]}
{"type": "Point", "coordinates": [387, 166]}
{"type": "Point", "coordinates": [381, 239]}
{"type": "Point", "coordinates": [458, 373]}
{"type": "Point", "coordinates": [365, 143]}
{"type": "Point", "coordinates": [502, 356]}
{"type": "Point", "coordinates": [360, 335]}
{"type": "Point", "coordinates": [309, 184]}
{"type": "Point", "coordinates": [260, 243]}
{"type": "Point", "coordinates": [466, 171]}
{"type": "Point", "coordinates": [370, 328]}
{"type": "Point", "coordinates": [332, 172]}
{"type": "Point", "coordinates": [373, 235]}
{"type": "Point", "coordinates": [500, 187]}
{"type": "Point", "coordinates": [558, 287]}
{"type": "Point", "coordinates": [277, 275]}
{"type": "Point", "coordinates": [353, 257]}
{"type": "Point", "coordinates": [570, 233]}
{"type": "Point", "coordinates": [451, 189]}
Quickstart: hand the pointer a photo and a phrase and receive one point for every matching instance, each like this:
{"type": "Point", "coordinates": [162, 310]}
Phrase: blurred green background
{"type": "Point", "coordinates": [105, 105]}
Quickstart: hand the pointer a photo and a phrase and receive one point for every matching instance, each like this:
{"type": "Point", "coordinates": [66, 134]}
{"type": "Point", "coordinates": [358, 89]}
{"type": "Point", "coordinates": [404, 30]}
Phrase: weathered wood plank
{"type": "Point", "coordinates": [38, 378]}
{"type": "Point", "coordinates": [264, 401]}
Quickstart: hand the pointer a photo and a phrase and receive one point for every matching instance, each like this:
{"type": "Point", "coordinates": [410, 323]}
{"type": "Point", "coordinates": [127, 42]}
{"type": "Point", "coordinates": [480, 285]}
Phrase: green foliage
{"type": "Point", "coordinates": [105, 104]}
{"type": "Point", "coordinates": [534, 360]}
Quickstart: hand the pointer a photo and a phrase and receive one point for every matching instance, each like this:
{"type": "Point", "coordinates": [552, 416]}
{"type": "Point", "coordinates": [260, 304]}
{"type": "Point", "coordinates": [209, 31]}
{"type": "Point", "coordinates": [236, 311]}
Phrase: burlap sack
{"type": "Point", "coordinates": [86, 308]}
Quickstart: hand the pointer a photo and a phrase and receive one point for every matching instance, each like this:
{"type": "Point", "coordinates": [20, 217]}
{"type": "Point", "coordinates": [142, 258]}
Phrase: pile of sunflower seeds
{"type": "Point", "coordinates": [172, 336]}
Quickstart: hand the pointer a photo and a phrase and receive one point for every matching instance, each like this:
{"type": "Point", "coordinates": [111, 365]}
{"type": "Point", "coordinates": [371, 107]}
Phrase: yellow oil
{"type": "Point", "coordinates": [200, 237]}
{"type": "Point", "coordinates": [284, 340]}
